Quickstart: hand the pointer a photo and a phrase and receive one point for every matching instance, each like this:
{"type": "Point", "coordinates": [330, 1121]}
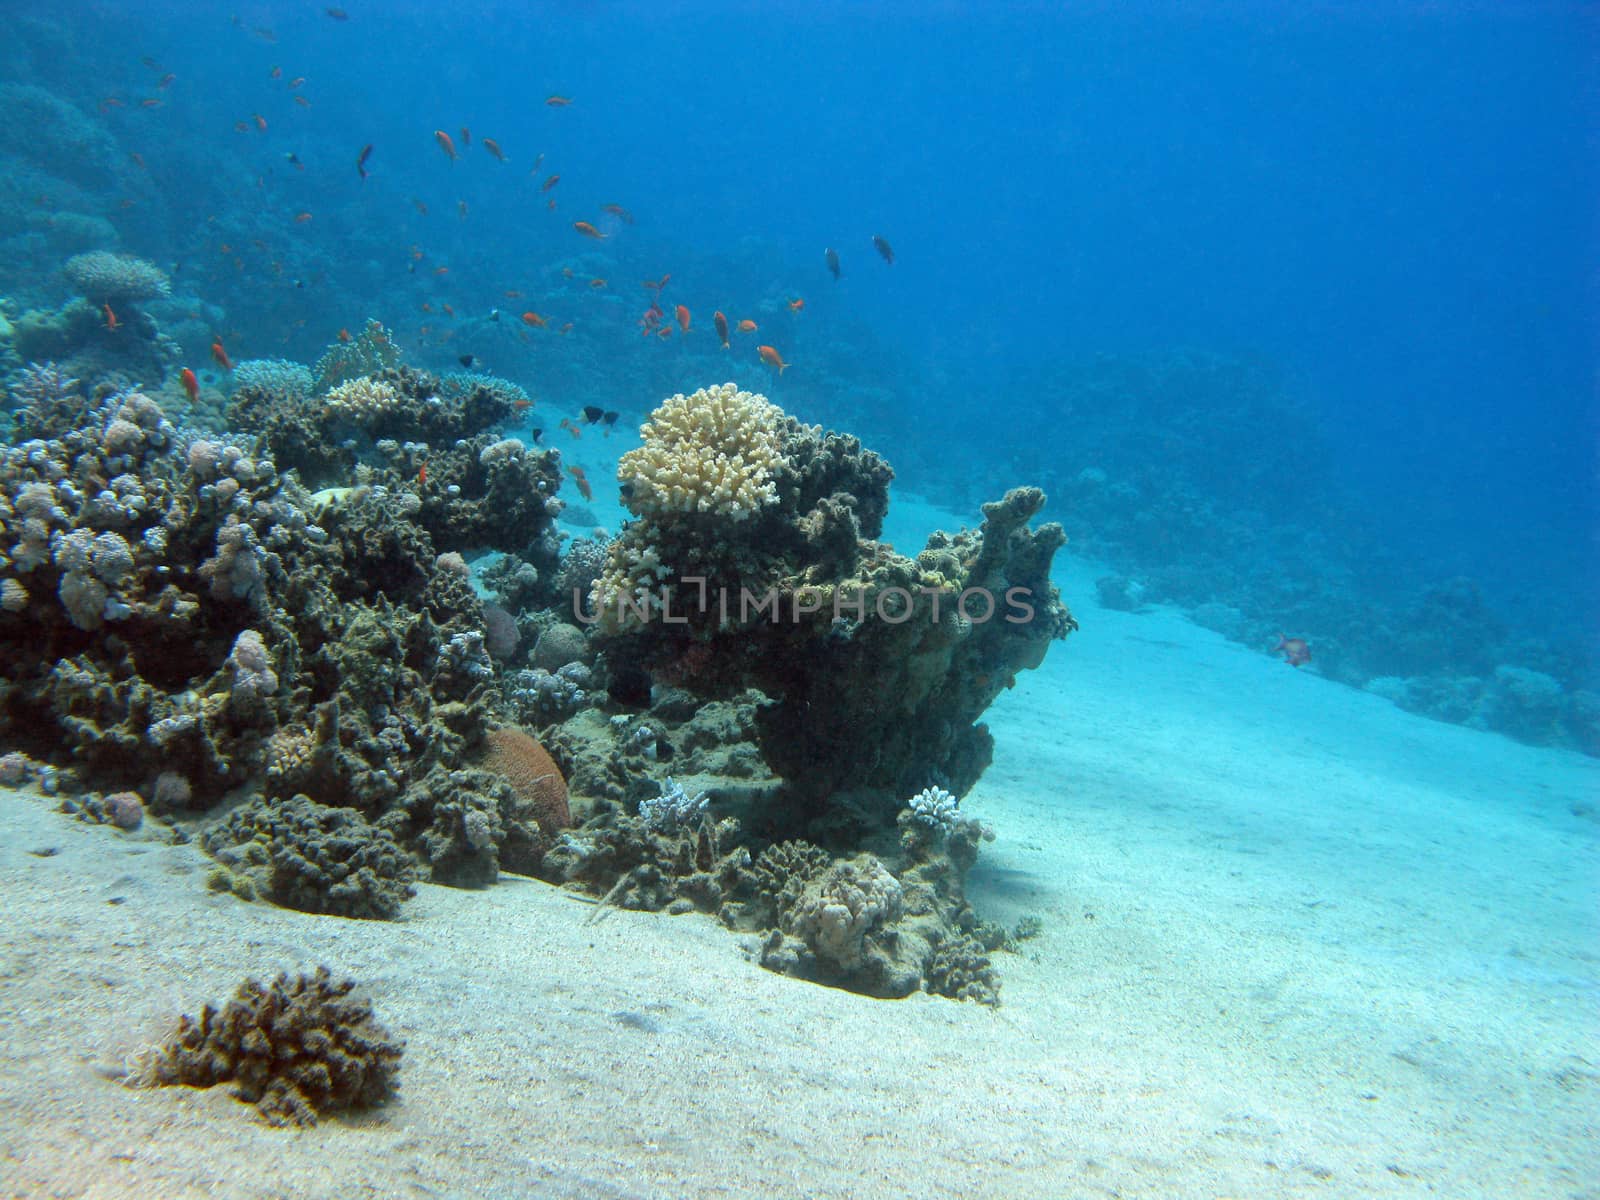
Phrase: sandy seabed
{"type": "Point", "coordinates": [1296, 943]}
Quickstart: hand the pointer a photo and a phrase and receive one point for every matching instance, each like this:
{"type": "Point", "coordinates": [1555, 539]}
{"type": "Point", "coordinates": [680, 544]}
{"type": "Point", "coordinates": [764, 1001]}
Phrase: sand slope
{"type": "Point", "coordinates": [1297, 943]}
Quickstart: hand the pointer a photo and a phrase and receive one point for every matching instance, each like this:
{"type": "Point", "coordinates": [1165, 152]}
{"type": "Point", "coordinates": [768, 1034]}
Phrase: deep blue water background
{"type": "Point", "coordinates": [1393, 202]}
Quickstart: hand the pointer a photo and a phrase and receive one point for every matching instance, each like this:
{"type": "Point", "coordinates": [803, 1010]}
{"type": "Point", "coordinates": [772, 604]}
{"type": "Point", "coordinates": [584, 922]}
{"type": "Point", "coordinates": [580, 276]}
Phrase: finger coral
{"type": "Point", "coordinates": [715, 451]}
{"type": "Point", "coordinates": [298, 1049]}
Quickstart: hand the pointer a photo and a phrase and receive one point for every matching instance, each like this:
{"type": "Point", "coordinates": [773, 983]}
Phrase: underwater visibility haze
{"type": "Point", "coordinates": [557, 559]}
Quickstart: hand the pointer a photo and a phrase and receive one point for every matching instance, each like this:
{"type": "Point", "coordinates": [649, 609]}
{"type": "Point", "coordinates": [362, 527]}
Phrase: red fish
{"type": "Point", "coordinates": [682, 313]}
{"type": "Point", "coordinates": [493, 147]}
{"type": "Point", "coordinates": [772, 358]}
{"type": "Point", "coordinates": [221, 355]}
{"type": "Point", "coordinates": [588, 230]}
{"type": "Point", "coordinates": [445, 144]}
{"type": "Point", "coordinates": [300, 218]}
{"type": "Point", "coordinates": [191, 384]}
{"type": "Point", "coordinates": [261, 122]}
{"type": "Point", "coordinates": [796, 304]}
{"type": "Point", "coordinates": [422, 475]}
{"type": "Point", "coordinates": [533, 318]}
{"type": "Point", "coordinates": [746, 326]}
{"type": "Point", "coordinates": [566, 423]}
{"type": "Point", "coordinates": [111, 319]}
{"type": "Point", "coordinates": [617, 211]}
{"type": "Point", "coordinates": [721, 322]}
{"type": "Point", "coordinates": [1295, 651]}
{"type": "Point", "coordinates": [344, 335]}
{"type": "Point", "coordinates": [296, 82]}
{"type": "Point", "coordinates": [582, 480]}
{"type": "Point", "coordinates": [549, 183]}
{"type": "Point", "coordinates": [302, 102]}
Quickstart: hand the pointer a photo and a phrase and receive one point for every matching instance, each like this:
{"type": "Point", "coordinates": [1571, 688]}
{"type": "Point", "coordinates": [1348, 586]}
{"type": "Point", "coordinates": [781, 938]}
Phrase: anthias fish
{"type": "Point", "coordinates": [883, 248]}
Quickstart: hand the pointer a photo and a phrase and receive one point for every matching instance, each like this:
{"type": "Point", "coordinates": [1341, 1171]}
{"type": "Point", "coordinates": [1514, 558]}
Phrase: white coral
{"type": "Point", "coordinates": [716, 451]}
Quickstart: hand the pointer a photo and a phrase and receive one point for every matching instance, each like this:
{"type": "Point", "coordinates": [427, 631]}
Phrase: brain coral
{"type": "Point", "coordinates": [103, 277]}
{"type": "Point", "coordinates": [715, 451]}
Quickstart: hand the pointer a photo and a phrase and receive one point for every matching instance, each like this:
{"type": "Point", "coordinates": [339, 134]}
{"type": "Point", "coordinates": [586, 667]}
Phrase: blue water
{"type": "Point", "coordinates": [1388, 206]}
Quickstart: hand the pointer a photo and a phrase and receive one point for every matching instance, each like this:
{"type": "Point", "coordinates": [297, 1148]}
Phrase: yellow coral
{"type": "Point", "coordinates": [363, 398]}
{"type": "Point", "coordinates": [713, 452]}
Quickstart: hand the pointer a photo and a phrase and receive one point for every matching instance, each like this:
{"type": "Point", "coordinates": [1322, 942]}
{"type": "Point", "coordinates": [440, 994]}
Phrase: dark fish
{"type": "Point", "coordinates": [338, 14]}
{"type": "Point", "coordinates": [610, 418]}
{"type": "Point", "coordinates": [883, 248]}
{"type": "Point", "coordinates": [535, 435]}
{"type": "Point", "coordinates": [832, 258]}
{"type": "Point", "coordinates": [361, 161]}
{"type": "Point", "coordinates": [466, 360]}
{"type": "Point", "coordinates": [592, 414]}
{"type": "Point", "coordinates": [294, 160]}
{"type": "Point", "coordinates": [466, 136]}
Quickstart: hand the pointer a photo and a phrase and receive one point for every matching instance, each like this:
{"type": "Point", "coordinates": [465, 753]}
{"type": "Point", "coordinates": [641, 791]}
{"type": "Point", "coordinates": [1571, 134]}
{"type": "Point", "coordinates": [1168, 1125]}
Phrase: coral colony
{"type": "Point", "coordinates": [343, 595]}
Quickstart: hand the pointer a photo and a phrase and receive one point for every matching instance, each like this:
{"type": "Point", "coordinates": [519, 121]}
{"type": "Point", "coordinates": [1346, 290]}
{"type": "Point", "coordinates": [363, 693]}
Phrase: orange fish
{"type": "Point", "coordinates": [221, 355]}
{"type": "Point", "coordinates": [261, 122]}
{"type": "Point", "coordinates": [466, 136]}
{"type": "Point", "coordinates": [166, 81]}
{"type": "Point", "coordinates": [664, 332]}
{"type": "Point", "coordinates": [549, 183]}
{"type": "Point", "coordinates": [493, 147]}
{"type": "Point", "coordinates": [109, 103]}
{"type": "Point", "coordinates": [296, 82]}
{"type": "Point", "coordinates": [302, 102]}
{"type": "Point", "coordinates": [588, 230]}
{"type": "Point", "coordinates": [533, 318]}
{"type": "Point", "coordinates": [152, 102]}
{"type": "Point", "coordinates": [565, 329]}
{"type": "Point", "coordinates": [519, 405]}
{"type": "Point", "coordinates": [191, 384]}
{"type": "Point", "coordinates": [448, 311]}
{"type": "Point", "coordinates": [721, 322]}
{"type": "Point", "coordinates": [344, 335]}
{"type": "Point", "coordinates": [682, 313]}
{"type": "Point", "coordinates": [746, 326]}
{"type": "Point", "coordinates": [138, 160]}
{"type": "Point", "coordinates": [582, 481]}
{"type": "Point", "coordinates": [301, 218]}
{"type": "Point", "coordinates": [557, 101]}
{"type": "Point", "coordinates": [111, 319]}
{"type": "Point", "coordinates": [445, 144]}
{"type": "Point", "coordinates": [512, 294]}
{"type": "Point", "coordinates": [567, 272]}
{"type": "Point", "coordinates": [597, 283]}
{"type": "Point", "coordinates": [422, 475]}
{"type": "Point", "coordinates": [426, 307]}
{"type": "Point", "coordinates": [796, 305]}
{"type": "Point", "coordinates": [772, 358]}
{"type": "Point", "coordinates": [550, 204]}
{"type": "Point", "coordinates": [567, 424]}
{"type": "Point", "coordinates": [616, 210]}
{"type": "Point", "coordinates": [277, 72]}
{"type": "Point", "coordinates": [441, 270]}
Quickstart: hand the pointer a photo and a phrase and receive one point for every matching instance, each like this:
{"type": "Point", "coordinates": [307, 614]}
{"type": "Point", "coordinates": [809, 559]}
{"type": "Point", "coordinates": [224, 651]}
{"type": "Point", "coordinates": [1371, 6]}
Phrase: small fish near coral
{"type": "Point", "coordinates": [1296, 651]}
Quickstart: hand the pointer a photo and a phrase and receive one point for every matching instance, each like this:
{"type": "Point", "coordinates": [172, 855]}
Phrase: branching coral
{"type": "Point", "coordinates": [713, 452]}
{"type": "Point", "coordinates": [107, 278]}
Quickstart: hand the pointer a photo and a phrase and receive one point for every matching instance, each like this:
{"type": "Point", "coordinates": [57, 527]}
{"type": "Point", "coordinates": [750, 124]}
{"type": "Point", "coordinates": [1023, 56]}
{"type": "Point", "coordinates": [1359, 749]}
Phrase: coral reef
{"type": "Point", "coordinates": [886, 661]}
{"type": "Point", "coordinates": [298, 1049]}
{"type": "Point", "coordinates": [713, 452]}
